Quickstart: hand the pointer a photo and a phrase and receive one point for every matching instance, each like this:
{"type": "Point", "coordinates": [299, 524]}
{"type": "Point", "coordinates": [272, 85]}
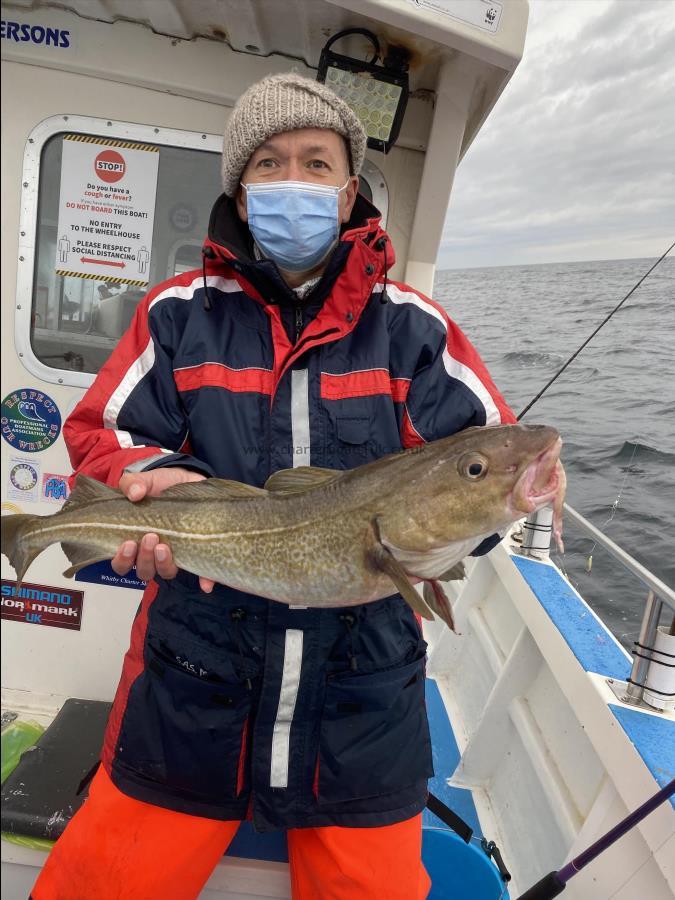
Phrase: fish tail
{"type": "Point", "coordinates": [17, 546]}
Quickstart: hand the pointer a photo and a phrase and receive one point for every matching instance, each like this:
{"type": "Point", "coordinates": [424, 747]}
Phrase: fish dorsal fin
{"type": "Point", "coordinates": [302, 478]}
{"type": "Point", "coordinates": [88, 489]}
{"type": "Point", "coordinates": [213, 489]}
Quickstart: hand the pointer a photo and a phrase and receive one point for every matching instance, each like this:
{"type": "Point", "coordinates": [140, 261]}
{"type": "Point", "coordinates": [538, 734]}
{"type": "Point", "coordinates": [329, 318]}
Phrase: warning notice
{"type": "Point", "coordinates": [106, 209]}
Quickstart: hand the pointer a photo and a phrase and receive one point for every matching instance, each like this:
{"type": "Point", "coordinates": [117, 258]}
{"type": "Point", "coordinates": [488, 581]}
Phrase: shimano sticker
{"type": "Point", "coordinates": [42, 604]}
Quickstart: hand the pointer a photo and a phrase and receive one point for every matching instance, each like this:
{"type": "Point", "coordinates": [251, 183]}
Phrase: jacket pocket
{"type": "Point", "coordinates": [354, 446]}
{"type": "Point", "coordinates": [186, 724]}
{"type": "Point", "coordinates": [357, 430]}
{"type": "Point", "coordinates": [374, 734]}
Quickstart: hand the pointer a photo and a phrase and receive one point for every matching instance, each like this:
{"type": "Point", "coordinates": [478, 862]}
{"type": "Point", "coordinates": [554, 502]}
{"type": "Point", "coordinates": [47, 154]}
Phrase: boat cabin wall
{"type": "Point", "coordinates": [77, 95]}
{"type": "Point", "coordinates": [114, 82]}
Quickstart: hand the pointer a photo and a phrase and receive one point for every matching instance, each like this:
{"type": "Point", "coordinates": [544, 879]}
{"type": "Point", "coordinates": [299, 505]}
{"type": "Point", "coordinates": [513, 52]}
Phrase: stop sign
{"type": "Point", "coordinates": [109, 166]}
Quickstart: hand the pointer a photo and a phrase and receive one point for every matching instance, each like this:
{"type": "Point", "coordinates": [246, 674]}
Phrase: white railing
{"type": "Point", "coordinates": [536, 541]}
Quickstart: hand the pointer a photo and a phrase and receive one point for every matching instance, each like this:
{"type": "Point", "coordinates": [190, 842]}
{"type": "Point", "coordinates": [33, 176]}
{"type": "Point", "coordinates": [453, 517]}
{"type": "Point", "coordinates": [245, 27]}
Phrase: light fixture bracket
{"type": "Point", "coordinates": [378, 94]}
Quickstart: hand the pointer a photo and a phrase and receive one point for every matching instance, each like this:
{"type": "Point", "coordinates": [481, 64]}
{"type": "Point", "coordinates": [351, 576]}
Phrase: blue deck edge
{"type": "Point", "coordinates": [446, 756]}
{"type": "Point", "coordinates": [597, 651]}
{"type": "Point", "coordinates": [593, 645]}
{"type": "Point", "coordinates": [654, 740]}
{"type": "Point", "coordinates": [249, 844]}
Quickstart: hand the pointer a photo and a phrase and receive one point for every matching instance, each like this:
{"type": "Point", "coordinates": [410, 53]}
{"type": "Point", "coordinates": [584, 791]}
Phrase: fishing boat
{"type": "Point", "coordinates": [546, 731]}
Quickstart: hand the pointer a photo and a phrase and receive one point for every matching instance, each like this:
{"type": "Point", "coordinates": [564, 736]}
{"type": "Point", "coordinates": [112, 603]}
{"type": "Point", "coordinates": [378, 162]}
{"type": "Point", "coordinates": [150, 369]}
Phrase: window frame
{"type": "Point", "coordinates": [378, 188]}
{"type": "Point", "coordinates": [28, 220]}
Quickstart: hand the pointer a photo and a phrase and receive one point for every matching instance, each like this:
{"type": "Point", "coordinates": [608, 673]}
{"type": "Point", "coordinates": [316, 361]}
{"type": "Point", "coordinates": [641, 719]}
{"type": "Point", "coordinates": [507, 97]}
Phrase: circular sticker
{"type": "Point", "coordinates": [183, 217]}
{"type": "Point", "coordinates": [23, 476]}
{"type": "Point", "coordinates": [30, 420]}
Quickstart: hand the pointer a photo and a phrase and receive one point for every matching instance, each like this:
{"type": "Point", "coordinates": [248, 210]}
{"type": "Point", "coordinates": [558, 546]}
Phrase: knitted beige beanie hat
{"type": "Point", "coordinates": [280, 103]}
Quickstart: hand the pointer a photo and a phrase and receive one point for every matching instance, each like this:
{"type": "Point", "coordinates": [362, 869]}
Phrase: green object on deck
{"type": "Point", "coordinates": [16, 738]}
{"type": "Point", "coordinates": [33, 843]}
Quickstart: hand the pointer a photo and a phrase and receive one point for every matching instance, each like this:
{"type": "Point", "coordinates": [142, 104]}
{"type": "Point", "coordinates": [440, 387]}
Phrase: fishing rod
{"type": "Point", "coordinates": [555, 882]}
{"type": "Point", "coordinates": [590, 338]}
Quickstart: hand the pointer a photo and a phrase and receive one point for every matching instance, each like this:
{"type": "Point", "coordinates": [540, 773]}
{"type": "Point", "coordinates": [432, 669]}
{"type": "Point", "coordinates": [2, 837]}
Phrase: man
{"type": "Point", "coordinates": [291, 348]}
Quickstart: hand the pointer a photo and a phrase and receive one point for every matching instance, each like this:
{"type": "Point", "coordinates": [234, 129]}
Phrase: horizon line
{"type": "Point", "coordinates": [550, 263]}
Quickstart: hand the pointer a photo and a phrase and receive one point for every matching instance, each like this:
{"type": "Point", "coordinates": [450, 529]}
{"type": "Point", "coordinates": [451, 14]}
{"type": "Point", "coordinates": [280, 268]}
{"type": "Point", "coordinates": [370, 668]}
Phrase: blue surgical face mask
{"type": "Point", "coordinates": [295, 223]}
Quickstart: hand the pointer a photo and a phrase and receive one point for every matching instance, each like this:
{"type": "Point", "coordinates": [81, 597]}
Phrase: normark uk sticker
{"type": "Point", "coordinates": [42, 604]}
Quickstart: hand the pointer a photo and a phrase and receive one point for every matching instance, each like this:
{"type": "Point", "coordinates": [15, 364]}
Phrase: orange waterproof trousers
{"type": "Point", "coordinates": [118, 848]}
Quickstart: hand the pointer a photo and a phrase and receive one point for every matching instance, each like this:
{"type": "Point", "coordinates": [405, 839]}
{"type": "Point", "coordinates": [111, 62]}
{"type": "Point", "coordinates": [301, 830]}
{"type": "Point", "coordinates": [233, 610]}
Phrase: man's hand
{"type": "Point", "coordinates": [151, 557]}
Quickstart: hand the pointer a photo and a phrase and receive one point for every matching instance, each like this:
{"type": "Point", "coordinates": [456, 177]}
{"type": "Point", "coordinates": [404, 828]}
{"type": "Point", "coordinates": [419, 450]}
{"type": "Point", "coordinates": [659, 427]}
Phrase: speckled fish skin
{"type": "Point", "coordinates": [318, 545]}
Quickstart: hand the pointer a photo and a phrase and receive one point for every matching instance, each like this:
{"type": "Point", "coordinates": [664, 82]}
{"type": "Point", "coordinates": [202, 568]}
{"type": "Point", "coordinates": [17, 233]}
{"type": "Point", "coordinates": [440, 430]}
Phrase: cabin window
{"type": "Point", "coordinates": [83, 295]}
{"type": "Point", "coordinates": [80, 279]}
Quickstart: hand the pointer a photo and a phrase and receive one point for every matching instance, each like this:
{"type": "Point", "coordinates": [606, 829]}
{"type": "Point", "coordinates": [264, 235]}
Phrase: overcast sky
{"type": "Point", "coordinates": [577, 160]}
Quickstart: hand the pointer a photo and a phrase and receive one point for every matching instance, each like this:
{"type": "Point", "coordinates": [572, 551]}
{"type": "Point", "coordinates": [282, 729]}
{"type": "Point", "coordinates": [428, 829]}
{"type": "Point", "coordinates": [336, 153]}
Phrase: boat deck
{"type": "Point", "coordinates": [650, 732]}
{"type": "Point", "coordinates": [531, 747]}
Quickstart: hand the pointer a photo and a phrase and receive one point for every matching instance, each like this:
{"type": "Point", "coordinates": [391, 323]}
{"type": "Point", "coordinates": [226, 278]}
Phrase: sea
{"type": "Point", "coordinates": [614, 406]}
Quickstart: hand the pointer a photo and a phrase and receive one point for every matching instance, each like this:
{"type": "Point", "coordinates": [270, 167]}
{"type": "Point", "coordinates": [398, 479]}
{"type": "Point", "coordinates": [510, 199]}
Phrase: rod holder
{"type": "Point", "coordinates": [660, 682]}
{"type": "Point", "coordinates": [537, 530]}
{"type": "Point", "coordinates": [647, 638]}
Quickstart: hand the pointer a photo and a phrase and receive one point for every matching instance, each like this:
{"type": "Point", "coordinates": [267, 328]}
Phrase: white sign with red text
{"type": "Point", "coordinates": [106, 209]}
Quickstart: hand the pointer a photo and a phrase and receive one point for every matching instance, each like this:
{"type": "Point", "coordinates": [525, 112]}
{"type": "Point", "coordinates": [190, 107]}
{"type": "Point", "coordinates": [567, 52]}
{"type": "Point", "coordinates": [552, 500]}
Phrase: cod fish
{"type": "Point", "coordinates": [320, 537]}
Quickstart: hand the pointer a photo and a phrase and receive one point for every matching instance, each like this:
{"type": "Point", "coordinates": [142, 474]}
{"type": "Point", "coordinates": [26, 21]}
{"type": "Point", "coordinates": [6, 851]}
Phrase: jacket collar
{"type": "Point", "coordinates": [342, 293]}
{"type": "Point", "coordinates": [230, 243]}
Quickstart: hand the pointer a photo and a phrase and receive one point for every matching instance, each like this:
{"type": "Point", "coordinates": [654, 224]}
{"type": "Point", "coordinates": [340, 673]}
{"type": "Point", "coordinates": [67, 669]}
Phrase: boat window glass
{"type": "Point", "coordinates": [76, 321]}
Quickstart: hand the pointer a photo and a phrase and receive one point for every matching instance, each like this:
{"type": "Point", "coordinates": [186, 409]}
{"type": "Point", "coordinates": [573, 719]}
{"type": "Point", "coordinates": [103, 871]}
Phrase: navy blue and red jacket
{"type": "Point", "coordinates": [231, 705]}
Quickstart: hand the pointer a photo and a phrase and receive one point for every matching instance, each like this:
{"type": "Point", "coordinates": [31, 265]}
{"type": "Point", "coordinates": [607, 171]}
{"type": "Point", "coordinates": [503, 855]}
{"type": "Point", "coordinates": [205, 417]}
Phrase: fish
{"type": "Point", "coordinates": [323, 537]}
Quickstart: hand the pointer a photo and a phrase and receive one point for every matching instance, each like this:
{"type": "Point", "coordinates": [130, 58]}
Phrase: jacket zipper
{"type": "Point", "coordinates": [298, 322]}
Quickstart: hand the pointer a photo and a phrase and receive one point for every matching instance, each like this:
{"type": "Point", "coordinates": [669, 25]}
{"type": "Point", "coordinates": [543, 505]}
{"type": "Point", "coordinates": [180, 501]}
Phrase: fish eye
{"type": "Point", "coordinates": [473, 466]}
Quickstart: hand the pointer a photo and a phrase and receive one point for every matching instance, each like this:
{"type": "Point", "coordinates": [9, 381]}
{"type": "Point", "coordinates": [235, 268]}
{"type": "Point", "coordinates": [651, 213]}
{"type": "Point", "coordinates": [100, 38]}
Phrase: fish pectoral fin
{"type": "Point", "coordinates": [211, 489]}
{"type": "Point", "coordinates": [385, 561]}
{"type": "Point", "coordinates": [437, 600]}
{"type": "Point", "coordinates": [87, 489]}
{"type": "Point", "coordinates": [80, 556]}
{"type": "Point", "coordinates": [72, 570]}
{"type": "Point", "coordinates": [302, 478]}
{"type": "Point", "coordinates": [455, 573]}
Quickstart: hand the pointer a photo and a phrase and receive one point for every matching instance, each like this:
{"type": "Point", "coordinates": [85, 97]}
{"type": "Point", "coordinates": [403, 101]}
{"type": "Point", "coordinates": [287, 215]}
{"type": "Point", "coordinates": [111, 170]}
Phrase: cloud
{"type": "Point", "coordinates": [577, 160]}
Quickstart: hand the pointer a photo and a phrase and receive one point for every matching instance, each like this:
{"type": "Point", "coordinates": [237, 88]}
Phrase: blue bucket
{"type": "Point", "coordinates": [459, 871]}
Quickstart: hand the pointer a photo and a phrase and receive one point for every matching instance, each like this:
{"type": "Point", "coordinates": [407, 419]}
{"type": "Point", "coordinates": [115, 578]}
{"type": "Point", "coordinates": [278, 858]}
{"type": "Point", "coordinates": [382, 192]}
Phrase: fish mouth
{"type": "Point", "coordinates": [541, 482]}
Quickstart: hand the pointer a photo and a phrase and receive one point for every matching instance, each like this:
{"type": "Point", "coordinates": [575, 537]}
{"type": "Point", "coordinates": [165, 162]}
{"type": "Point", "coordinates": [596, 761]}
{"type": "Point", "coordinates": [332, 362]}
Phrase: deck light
{"type": "Point", "coordinates": [377, 94]}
